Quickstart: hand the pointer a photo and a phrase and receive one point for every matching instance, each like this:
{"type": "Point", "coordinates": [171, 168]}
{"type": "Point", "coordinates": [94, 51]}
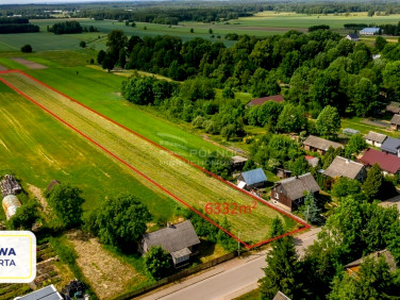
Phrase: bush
{"type": "Point", "coordinates": [26, 49]}
{"type": "Point", "coordinates": [158, 262]}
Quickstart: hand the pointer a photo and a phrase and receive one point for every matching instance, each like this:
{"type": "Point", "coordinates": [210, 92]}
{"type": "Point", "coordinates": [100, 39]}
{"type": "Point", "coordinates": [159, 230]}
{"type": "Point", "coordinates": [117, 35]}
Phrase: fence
{"type": "Point", "coordinates": [177, 276]}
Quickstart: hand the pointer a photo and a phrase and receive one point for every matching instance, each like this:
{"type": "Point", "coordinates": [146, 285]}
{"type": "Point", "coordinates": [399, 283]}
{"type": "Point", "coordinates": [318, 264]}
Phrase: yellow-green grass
{"type": "Point", "coordinates": [184, 181]}
{"type": "Point", "coordinates": [360, 125]}
{"type": "Point", "coordinates": [37, 149]}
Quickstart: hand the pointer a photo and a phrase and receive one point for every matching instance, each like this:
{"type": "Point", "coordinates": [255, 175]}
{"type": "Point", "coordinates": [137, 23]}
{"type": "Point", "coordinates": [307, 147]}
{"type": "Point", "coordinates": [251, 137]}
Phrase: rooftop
{"type": "Point", "coordinates": [388, 162]}
{"type": "Point", "coordinates": [391, 145]}
{"type": "Point", "coordinates": [385, 253]}
{"type": "Point", "coordinates": [320, 143]}
{"type": "Point", "coordinates": [343, 167]}
{"type": "Point", "coordinates": [174, 237]}
{"type": "Point", "coordinates": [47, 293]}
{"type": "Point", "coordinates": [395, 119]}
{"type": "Point", "coordinates": [261, 101]}
{"type": "Point", "coordinates": [370, 30]}
{"type": "Point", "coordinates": [393, 107]}
{"type": "Point", "coordinates": [297, 186]}
{"type": "Point", "coordinates": [376, 137]}
{"type": "Point", "coordinates": [254, 176]}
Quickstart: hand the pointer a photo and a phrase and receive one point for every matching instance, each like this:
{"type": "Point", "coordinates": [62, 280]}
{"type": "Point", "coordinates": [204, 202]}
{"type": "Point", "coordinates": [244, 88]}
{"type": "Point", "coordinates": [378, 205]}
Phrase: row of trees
{"type": "Point", "coordinates": [18, 28]}
{"type": "Point", "coordinates": [66, 27]}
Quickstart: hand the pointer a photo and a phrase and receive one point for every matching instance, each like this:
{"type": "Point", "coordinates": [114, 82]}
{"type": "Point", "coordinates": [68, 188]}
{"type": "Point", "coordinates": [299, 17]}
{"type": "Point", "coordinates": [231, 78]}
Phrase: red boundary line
{"type": "Point", "coordinates": [306, 226]}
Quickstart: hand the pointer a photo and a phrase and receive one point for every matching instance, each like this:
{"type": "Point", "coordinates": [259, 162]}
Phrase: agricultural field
{"type": "Point", "coordinates": [172, 174]}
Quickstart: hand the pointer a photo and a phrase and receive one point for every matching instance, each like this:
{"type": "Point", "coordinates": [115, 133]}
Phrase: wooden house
{"type": "Point", "coordinates": [389, 163]}
{"type": "Point", "coordinates": [320, 145]}
{"type": "Point", "coordinates": [252, 179]}
{"type": "Point", "coordinates": [375, 139]}
{"type": "Point", "coordinates": [289, 193]}
{"type": "Point", "coordinates": [353, 267]}
{"type": "Point", "coordinates": [343, 167]}
{"type": "Point", "coordinates": [393, 107]}
{"type": "Point", "coordinates": [179, 240]}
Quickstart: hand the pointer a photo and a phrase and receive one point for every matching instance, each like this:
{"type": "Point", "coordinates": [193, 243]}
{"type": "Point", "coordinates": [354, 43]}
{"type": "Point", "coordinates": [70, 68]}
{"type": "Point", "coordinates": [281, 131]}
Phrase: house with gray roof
{"type": "Point", "coordinates": [320, 145]}
{"type": "Point", "coordinates": [252, 179]}
{"type": "Point", "coordinates": [353, 37]}
{"type": "Point", "coordinates": [375, 139]}
{"type": "Point", "coordinates": [289, 193]}
{"type": "Point", "coordinates": [395, 122]}
{"type": "Point", "coordinates": [343, 167]}
{"type": "Point", "coordinates": [179, 240]}
{"type": "Point", "coordinates": [370, 31]}
{"type": "Point", "coordinates": [392, 146]}
{"type": "Point", "coordinates": [47, 293]}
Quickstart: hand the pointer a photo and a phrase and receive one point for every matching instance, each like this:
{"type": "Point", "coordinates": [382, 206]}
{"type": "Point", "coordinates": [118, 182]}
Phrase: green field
{"type": "Point", "coordinates": [183, 180]}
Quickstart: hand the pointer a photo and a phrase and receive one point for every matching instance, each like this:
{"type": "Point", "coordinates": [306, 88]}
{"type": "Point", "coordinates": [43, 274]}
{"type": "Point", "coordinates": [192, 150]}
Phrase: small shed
{"type": "Point", "coordinates": [393, 107]}
{"type": "Point", "coordinates": [312, 161]}
{"type": "Point", "coordinates": [282, 173]}
{"type": "Point", "coordinates": [9, 186]}
{"type": "Point", "coordinates": [10, 205]}
{"type": "Point", "coordinates": [395, 122]}
{"type": "Point", "coordinates": [375, 139]}
{"type": "Point", "coordinates": [238, 162]}
{"type": "Point", "coordinates": [252, 179]}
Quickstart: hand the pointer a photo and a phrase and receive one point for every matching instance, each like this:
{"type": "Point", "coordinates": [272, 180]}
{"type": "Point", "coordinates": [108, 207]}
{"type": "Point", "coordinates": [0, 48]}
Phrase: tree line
{"type": "Point", "coordinates": [17, 25]}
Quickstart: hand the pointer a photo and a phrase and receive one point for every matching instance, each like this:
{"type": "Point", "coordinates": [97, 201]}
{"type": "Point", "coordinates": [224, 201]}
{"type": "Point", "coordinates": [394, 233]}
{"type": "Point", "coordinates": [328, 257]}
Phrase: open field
{"type": "Point", "coordinates": [37, 148]}
{"type": "Point", "coordinates": [180, 179]}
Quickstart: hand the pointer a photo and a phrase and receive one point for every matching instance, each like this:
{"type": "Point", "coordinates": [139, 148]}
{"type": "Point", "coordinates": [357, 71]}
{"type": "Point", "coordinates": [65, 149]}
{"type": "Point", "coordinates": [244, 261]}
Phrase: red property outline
{"type": "Point", "coordinates": [305, 225]}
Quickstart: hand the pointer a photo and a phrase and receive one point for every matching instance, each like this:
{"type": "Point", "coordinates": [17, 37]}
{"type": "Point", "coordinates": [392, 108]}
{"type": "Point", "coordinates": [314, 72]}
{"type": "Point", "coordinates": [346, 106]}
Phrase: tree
{"type": "Point", "coordinates": [122, 58]}
{"type": "Point", "coordinates": [26, 48]}
{"type": "Point", "coordinates": [116, 40]}
{"type": "Point", "coordinates": [82, 44]}
{"type": "Point", "coordinates": [66, 202]}
{"type": "Point", "coordinates": [210, 31]}
{"type": "Point", "coordinates": [120, 221]}
{"type": "Point", "coordinates": [219, 164]}
{"type": "Point", "coordinates": [328, 122]}
{"type": "Point", "coordinates": [228, 93]}
{"type": "Point", "coordinates": [277, 227]}
{"type": "Point", "coordinates": [346, 187]}
{"type": "Point", "coordinates": [310, 209]}
{"type": "Point", "coordinates": [108, 63]}
{"type": "Point", "coordinates": [355, 145]}
{"type": "Point", "coordinates": [158, 262]}
{"type": "Point", "coordinates": [191, 30]}
{"type": "Point", "coordinates": [373, 183]}
{"type": "Point", "coordinates": [282, 271]}
{"type": "Point", "coordinates": [380, 43]}
{"type": "Point", "coordinates": [101, 56]}
{"type": "Point", "coordinates": [291, 119]}
{"type": "Point", "coordinates": [393, 239]}
{"type": "Point", "coordinates": [25, 216]}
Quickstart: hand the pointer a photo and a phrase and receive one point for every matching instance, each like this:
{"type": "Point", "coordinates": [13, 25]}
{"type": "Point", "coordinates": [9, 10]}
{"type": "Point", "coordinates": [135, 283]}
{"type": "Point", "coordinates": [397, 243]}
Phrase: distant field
{"type": "Point", "coordinates": [183, 180]}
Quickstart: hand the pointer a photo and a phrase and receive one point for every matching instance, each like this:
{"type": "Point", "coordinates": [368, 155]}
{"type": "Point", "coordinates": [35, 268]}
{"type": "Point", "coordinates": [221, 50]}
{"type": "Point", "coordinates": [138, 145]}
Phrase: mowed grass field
{"type": "Point", "coordinates": [37, 149]}
{"type": "Point", "coordinates": [184, 181]}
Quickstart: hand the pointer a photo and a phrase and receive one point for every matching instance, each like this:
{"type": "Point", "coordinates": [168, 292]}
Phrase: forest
{"type": "Point", "coordinates": [17, 25]}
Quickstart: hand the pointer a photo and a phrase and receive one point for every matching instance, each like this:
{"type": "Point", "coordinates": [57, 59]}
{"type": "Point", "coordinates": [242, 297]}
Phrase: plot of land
{"type": "Point", "coordinates": [172, 174]}
{"type": "Point", "coordinates": [2, 68]}
{"type": "Point", "coordinates": [107, 275]}
{"type": "Point", "coordinates": [30, 64]}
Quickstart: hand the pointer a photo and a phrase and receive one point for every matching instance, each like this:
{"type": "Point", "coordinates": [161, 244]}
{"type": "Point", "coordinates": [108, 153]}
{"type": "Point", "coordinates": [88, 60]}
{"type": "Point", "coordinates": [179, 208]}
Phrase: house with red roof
{"type": "Point", "coordinates": [389, 163]}
{"type": "Point", "coordinates": [261, 101]}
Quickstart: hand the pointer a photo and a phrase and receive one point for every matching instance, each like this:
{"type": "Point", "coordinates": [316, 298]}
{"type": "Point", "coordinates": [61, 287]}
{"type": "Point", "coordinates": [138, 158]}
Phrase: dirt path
{"type": "Point", "coordinates": [27, 63]}
{"type": "Point", "coordinates": [37, 193]}
{"type": "Point", "coordinates": [107, 275]}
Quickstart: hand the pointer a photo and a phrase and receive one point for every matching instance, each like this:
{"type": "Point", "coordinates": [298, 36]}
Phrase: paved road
{"type": "Point", "coordinates": [229, 280]}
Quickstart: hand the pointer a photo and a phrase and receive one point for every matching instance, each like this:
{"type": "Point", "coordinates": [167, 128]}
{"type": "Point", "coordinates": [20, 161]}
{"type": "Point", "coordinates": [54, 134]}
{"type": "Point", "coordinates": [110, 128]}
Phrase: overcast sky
{"type": "Point", "coordinates": [51, 1]}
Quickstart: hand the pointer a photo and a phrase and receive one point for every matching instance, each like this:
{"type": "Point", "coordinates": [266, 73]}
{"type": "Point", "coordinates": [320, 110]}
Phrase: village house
{"type": "Point", "coordinates": [48, 293]}
{"type": "Point", "coordinates": [252, 179]}
{"type": "Point", "coordinates": [238, 162]}
{"type": "Point", "coordinates": [353, 37]}
{"type": "Point", "coordinates": [395, 122]}
{"type": "Point", "coordinates": [392, 146]}
{"type": "Point", "coordinates": [375, 139]}
{"type": "Point", "coordinates": [343, 167]}
{"type": "Point", "coordinates": [261, 101]}
{"type": "Point", "coordinates": [320, 145]}
{"type": "Point", "coordinates": [393, 107]}
{"type": "Point", "coordinates": [353, 267]}
{"type": "Point", "coordinates": [179, 240]}
{"type": "Point", "coordinates": [389, 163]}
{"type": "Point", "coordinates": [289, 193]}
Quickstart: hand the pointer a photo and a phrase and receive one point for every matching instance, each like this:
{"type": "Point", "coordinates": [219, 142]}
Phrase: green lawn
{"type": "Point", "coordinates": [37, 149]}
{"type": "Point", "coordinates": [361, 125]}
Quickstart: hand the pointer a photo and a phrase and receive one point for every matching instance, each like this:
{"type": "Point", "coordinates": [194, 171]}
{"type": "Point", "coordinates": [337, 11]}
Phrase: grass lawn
{"type": "Point", "coordinates": [253, 295]}
{"type": "Point", "coordinates": [183, 180]}
{"type": "Point", "coordinates": [364, 127]}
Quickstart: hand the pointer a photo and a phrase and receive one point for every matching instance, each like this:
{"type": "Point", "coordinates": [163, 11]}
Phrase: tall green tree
{"type": "Point", "coordinates": [120, 221]}
{"type": "Point", "coordinates": [282, 271]}
{"type": "Point", "coordinates": [158, 262]}
{"type": "Point", "coordinates": [373, 183]}
{"type": "Point", "coordinates": [291, 119]}
{"type": "Point", "coordinates": [310, 209]}
{"type": "Point", "coordinates": [355, 145]}
{"type": "Point", "coordinates": [66, 202]}
{"type": "Point", "coordinates": [328, 122]}
{"type": "Point", "coordinates": [116, 40]}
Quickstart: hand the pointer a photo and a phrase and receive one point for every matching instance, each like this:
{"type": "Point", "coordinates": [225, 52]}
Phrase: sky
{"type": "Point", "coordinates": [52, 1]}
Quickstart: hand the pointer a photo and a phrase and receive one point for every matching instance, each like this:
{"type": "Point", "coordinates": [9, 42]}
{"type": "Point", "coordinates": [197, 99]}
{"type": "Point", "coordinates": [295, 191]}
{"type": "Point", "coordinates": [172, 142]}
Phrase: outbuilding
{"type": "Point", "coordinates": [10, 205]}
{"type": "Point", "coordinates": [395, 122]}
{"type": "Point", "coordinates": [252, 179]}
{"type": "Point", "coordinates": [375, 139]}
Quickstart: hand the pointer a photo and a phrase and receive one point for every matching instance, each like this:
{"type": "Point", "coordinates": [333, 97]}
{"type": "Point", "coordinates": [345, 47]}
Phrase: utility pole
{"type": "Point", "coordinates": [239, 244]}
